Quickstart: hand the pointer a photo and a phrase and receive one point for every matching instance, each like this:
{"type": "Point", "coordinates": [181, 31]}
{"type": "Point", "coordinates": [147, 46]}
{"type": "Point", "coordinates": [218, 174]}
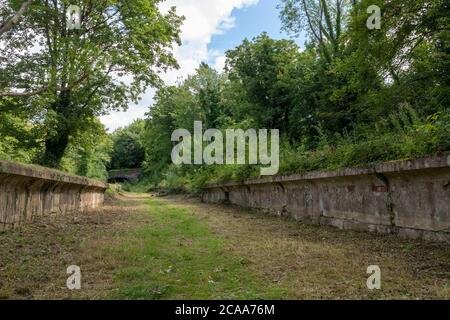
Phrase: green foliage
{"type": "Point", "coordinates": [70, 76]}
{"type": "Point", "coordinates": [22, 135]}
{"type": "Point", "coordinates": [128, 150]}
{"type": "Point", "coordinates": [323, 20]}
{"type": "Point", "coordinates": [198, 98]}
{"type": "Point", "coordinates": [20, 138]}
{"type": "Point", "coordinates": [354, 97]}
{"type": "Point", "coordinates": [412, 62]}
{"type": "Point", "coordinates": [266, 69]}
{"type": "Point", "coordinates": [16, 139]}
{"type": "Point", "coordinates": [89, 153]}
{"type": "Point", "coordinates": [402, 136]}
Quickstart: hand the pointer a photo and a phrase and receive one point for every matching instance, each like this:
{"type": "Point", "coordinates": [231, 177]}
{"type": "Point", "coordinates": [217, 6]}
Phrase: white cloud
{"type": "Point", "coordinates": [204, 19]}
{"type": "Point", "coordinates": [219, 59]}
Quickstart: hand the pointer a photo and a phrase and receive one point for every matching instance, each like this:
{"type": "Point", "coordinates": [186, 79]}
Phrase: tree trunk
{"type": "Point", "coordinates": [56, 145]}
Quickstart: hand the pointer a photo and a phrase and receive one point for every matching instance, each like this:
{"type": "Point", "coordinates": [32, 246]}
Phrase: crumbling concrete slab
{"type": "Point", "coordinates": [28, 191]}
{"type": "Point", "coordinates": [409, 198]}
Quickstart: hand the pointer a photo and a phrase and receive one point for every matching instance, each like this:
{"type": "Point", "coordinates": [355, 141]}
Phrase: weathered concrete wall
{"type": "Point", "coordinates": [408, 198]}
{"type": "Point", "coordinates": [27, 192]}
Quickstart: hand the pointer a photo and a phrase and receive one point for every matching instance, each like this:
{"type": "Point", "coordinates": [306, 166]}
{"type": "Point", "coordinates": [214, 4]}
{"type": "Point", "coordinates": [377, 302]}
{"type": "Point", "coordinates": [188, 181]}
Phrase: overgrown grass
{"type": "Point", "coordinates": [402, 136]}
{"type": "Point", "coordinates": [141, 186]}
{"type": "Point", "coordinates": [177, 257]}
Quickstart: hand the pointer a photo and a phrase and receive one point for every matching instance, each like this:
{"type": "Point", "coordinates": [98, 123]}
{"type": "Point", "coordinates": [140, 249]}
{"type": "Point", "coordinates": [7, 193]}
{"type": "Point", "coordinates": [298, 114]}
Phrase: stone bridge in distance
{"type": "Point", "coordinates": [124, 175]}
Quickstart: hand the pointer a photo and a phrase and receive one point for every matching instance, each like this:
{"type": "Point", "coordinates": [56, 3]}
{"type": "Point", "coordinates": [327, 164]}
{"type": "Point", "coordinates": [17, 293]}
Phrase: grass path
{"type": "Point", "coordinates": [177, 256]}
{"type": "Point", "coordinates": [139, 247]}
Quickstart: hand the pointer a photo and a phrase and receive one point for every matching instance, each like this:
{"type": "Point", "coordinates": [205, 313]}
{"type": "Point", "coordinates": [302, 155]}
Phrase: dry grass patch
{"type": "Point", "coordinates": [316, 262]}
{"type": "Point", "coordinates": [34, 258]}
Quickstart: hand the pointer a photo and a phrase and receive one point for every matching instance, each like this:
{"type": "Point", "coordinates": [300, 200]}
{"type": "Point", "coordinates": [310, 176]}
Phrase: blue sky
{"type": "Point", "coordinates": [211, 28]}
{"type": "Point", "coordinates": [249, 23]}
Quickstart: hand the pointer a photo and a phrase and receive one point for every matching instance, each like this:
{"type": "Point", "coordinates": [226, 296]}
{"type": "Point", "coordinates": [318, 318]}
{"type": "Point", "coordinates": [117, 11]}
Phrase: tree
{"type": "Point", "coordinates": [128, 151]}
{"type": "Point", "coordinates": [20, 138]}
{"type": "Point", "coordinates": [324, 20]}
{"type": "Point", "coordinates": [336, 89]}
{"type": "Point", "coordinates": [73, 75]}
{"type": "Point", "coordinates": [410, 52]}
{"type": "Point", "coordinates": [197, 98]}
{"type": "Point", "coordinates": [265, 67]}
{"type": "Point", "coordinates": [88, 154]}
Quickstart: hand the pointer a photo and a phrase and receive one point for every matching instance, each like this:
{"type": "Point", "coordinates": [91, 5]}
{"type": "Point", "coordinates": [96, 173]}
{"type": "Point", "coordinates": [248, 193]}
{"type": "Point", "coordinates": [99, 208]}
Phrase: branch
{"type": "Point", "coordinates": [308, 18]}
{"type": "Point", "coordinates": [43, 89]}
{"type": "Point", "coordinates": [8, 25]}
{"type": "Point", "coordinates": [24, 94]}
{"type": "Point", "coordinates": [328, 22]}
{"type": "Point", "coordinates": [97, 87]}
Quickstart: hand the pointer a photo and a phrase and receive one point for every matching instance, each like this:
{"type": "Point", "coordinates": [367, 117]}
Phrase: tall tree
{"type": "Point", "coordinates": [265, 67]}
{"type": "Point", "coordinates": [410, 52]}
{"type": "Point", "coordinates": [88, 154]}
{"type": "Point", "coordinates": [128, 151]}
{"type": "Point", "coordinates": [324, 20]}
{"type": "Point", "coordinates": [197, 98]}
{"type": "Point", "coordinates": [76, 74]}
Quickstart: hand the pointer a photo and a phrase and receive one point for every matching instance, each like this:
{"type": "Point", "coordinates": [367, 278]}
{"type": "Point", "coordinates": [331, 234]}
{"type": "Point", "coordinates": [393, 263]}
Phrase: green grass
{"type": "Point", "coordinates": [141, 186]}
{"type": "Point", "coordinates": [178, 257]}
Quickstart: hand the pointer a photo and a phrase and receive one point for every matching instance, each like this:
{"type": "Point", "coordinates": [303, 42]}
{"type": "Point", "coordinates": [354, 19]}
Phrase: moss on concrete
{"type": "Point", "coordinates": [46, 173]}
